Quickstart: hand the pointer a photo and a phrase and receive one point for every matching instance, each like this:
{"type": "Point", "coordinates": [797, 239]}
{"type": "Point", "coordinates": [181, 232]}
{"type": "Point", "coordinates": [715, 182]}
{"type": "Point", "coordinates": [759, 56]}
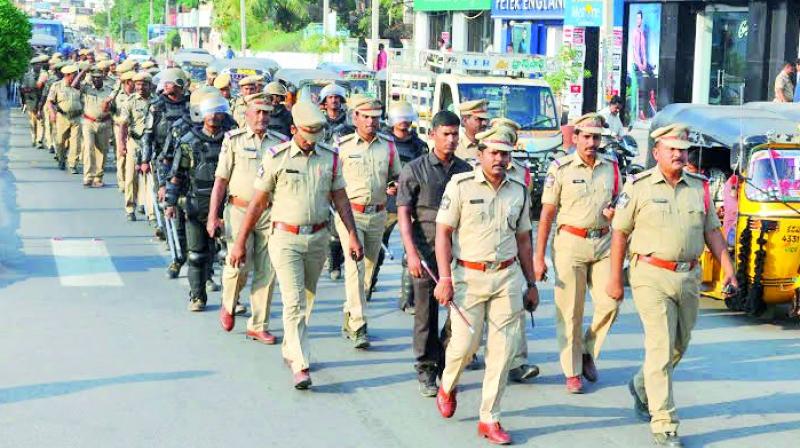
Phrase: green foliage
{"type": "Point", "coordinates": [272, 25]}
{"type": "Point", "coordinates": [173, 39]}
{"type": "Point", "coordinates": [390, 16]}
{"type": "Point", "coordinates": [15, 52]}
{"type": "Point", "coordinates": [563, 69]}
{"type": "Point", "coordinates": [128, 15]}
{"type": "Point", "coordinates": [320, 44]}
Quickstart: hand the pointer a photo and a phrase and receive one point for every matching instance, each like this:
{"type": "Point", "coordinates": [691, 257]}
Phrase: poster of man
{"type": "Point", "coordinates": [520, 39]}
{"type": "Point", "coordinates": [644, 35]}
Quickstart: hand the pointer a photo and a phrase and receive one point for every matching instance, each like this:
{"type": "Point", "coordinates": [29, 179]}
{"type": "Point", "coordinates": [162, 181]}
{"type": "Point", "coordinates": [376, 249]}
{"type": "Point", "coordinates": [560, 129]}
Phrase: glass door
{"type": "Point", "coordinates": [728, 56]}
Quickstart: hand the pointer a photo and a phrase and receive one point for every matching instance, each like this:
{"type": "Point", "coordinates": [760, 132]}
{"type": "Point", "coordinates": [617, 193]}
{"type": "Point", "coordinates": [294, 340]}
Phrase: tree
{"type": "Point", "coordinates": [15, 51]}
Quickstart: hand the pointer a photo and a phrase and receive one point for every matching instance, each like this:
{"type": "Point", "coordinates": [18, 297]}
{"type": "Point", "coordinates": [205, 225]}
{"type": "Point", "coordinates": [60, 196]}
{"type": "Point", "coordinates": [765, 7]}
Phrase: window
{"type": "Point", "coordinates": [774, 176]}
{"type": "Point", "coordinates": [532, 107]}
{"type": "Point", "coordinates": [479, 30]}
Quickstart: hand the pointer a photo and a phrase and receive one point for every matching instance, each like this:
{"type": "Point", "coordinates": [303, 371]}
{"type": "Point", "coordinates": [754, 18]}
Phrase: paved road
{"type": "Point", "coordinates": [97, 349]}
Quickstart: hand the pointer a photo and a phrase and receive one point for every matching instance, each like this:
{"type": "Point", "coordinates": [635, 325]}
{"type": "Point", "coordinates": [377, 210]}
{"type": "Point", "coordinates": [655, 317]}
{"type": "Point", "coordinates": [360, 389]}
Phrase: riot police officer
{"type": "Point", "coordinates": [280, 119]}
{"type": "Point", "coordinates": [192, 177]}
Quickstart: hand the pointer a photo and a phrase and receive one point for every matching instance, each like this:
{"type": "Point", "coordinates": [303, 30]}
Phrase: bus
{"type": "Point", "coordinates": [52, 28]}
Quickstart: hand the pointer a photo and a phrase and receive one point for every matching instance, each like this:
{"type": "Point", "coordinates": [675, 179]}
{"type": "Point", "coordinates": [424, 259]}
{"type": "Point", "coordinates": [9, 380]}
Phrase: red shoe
{"type": "Point", "coordinates": [261, 336]}
{"type": "Point", "coordinates": [494, 433]}
{"type": "Point", "coordinates": [226, 319]}
{"type": "Point", "coordinates": [589, 369]}
{"type": "Point", "coordinates": [302, 380]}
{"type": "Point", "coordinates": [574, 385]}
{"type": "Point", "coordinates": [446, 403]}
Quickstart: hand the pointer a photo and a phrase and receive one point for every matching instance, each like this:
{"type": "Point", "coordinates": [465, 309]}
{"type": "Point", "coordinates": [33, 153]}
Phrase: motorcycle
{"type": "Point", "coordinates": [625, 150]}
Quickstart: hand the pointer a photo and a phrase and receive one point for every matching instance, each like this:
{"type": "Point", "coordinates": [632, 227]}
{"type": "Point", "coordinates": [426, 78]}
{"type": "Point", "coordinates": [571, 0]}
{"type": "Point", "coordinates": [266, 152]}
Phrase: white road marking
{"type": "Point", "coordinates": [84, 263]}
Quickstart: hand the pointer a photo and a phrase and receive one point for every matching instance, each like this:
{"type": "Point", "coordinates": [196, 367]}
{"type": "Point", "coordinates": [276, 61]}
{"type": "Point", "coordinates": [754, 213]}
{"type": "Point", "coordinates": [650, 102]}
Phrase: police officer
{"type": "Point", "coordinates": [134, 118]}
{"type": "Point", "coordinates": [192, 176]}
{"type": "Point", "coordinates": [667, 215]}
{"type": "Point", "coordinates": [281, 119]}
{"type": "Point", "coordinates": [332, 101]}
{"type": "Point", "coordinates": [419, 193]}
{"type": "Point", "coordinates": [31, 89]}
{"type": "Point", "coordinates": [123, 91]}
{"type": "Point", "coordinates": [578, 192]}
{"type": "Point", "coordinates": [401, 116]}
{"type": "Point", "coordinates": [65, 107]}
{"type": "Point", "coordinates": [299, 178]}
{"type": "Point", "coordinates": [97, 131]}
{"type": "Point", "coordinates": [242, 151]}
{"type": "Point", "coordinates": [211, 75]}
{"type": "Point", "coordinates": [247, 86]}
{"type": "Point", "coordinates": [474, 118]}
{"type": "Point", "coordinates": [223, 84]}
{"type": "Point", "coordinates": [370, 164]}
{"type": "Point", "coordinates": [53, 76]}
{"type": "Point", "coordinates": [483, 226]}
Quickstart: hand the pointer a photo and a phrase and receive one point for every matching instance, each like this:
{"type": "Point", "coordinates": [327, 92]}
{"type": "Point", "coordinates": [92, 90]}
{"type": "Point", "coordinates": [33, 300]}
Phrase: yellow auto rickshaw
{"type": "Point", "coordinates": [759, 151]}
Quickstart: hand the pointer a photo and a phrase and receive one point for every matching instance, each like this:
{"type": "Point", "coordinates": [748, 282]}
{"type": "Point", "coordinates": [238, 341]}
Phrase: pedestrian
{"type": "Point", "coordinates": [122, 56]}
{"type": "Point", "coordinates": [474, 118]}
{"type": "Point", "coordinates": [611, 114]}
{"type": "Point", "coordinates": [796, 96]}
{"type": "Point", "coordinates": [281, 119]}
{"type": "Point", "coordinates": [784, 85]}
{"type": "Point", "coordinates": [300, 179]}
{"type": "Point", "coordinates": [370, 167]}
{"type": "Point", "coordinates": [242, 151]}
{"type": "Point", "coordinates": [401, 116]}
{"type": "Point", "coordinates": [65, 109]}
{"type": "Point", "coordinates": [382, 59]}
{"type": "Point", "coordinates": [483, 228]}
{"type": "Point", "coordinates": [230, 53]}
{"type": "Point", "coordinates": [97, 128]}
{"type": "Point", "coordinates": [192, 178]}
{"type": "Point", "coordinates": [579, 190]}
{"type": "Point", "coordinates": [666, 214]}
{"type": "Point", "coordinates": [134, 119]}
{"type": "Point", "coordinates": [419, 194]}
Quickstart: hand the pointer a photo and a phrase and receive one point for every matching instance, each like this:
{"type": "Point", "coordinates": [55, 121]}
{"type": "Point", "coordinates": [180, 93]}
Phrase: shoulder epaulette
{"type": "Point", "coordinates": [235, 132]}
{"type": "Point", "coordinates": [640, 176]}
{"type": "Point", "coordinates": [563, 161]}
{"type": "Point", "coordinates": [461, 177]}
{"type": "Point", "coordinates": [327, 147]}
{"type": "Point", "coordinates": [387, 137]}
{"type": "Point", "coordinates": [278, 135]}
{"type": "Point", "coordinates": [277, 149]}
{"type": "Point", "coordinates": [345, 138]}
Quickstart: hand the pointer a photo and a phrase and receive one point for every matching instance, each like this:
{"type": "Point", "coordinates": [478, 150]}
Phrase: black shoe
{"type": "Point", "coordinates": [52, 150]}
{"type": "Point", "coordinates": [74, 170]}
{"type": "Point", "coordinates": [140, 209]}
{"type": "Point", "coordinates": [639, 406]}
{"type": "Point", "coordinates": [669, 438]}
{"type": "Point", "coordinates": [131, 217]}
{"type": "Point", "coordinates": [62, 166]}
{"type": "Point", "coordinates": [427, 384]}
{"type": "Point", "coordinates": [523, 373]}
{"type": "Point", "coordinates": [359, 337]}
{"type": "Point", "coordinates": [173, 270]}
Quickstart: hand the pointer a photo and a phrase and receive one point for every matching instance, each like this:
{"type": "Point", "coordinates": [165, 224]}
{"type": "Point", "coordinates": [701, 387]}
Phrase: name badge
{"type": "Point", "coordinates": [578, 181]}
{"type": "Point", "coordinates": [660, 201]}
{"type": "Point", "coordinates": [292, 171]}
{"type": "Point", "coordinates": [476, 201]}
{"type": "Point", "coordinates": [354, 156]}
{"type": "Point", "coordinates": [250, 149]}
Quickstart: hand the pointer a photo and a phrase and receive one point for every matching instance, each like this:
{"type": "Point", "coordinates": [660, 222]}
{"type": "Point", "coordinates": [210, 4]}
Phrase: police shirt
{"type": "Point", "coordinates": [467, 149]}
{"type": "Point", "coordinates": [662, 221]}
{"type": "Point", "coordinates": [93, 101]}
{"type": "Point", "coordinates": [134, 114]}
{"type": "Point", "coordinates": [368, 167]}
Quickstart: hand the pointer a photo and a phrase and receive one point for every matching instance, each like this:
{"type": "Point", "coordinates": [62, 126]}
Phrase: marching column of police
{"type": "Point", "coordinates": [286, 188]}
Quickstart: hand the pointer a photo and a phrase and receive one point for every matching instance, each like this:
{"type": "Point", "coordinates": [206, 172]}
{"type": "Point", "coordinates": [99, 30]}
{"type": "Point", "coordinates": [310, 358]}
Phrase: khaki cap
{"type": "Point", "coordinates": [84, 65]}
{"type": "Point", "coordinates": [258, 101]}
{"type": "Point", "coordinates": [366, 105]}
{"type": "Point", "coordinates": [125, 66]}
{"type": "Point", "coordinates": [67, 69]}
{"type": "Point", "coordinates": [60, 64]}
{"type": "Point", "coordinates": [309, 121]}
{"type": "Point", "coordinates": [147, 64]}
{"type": "Point", "coordinates": [211, 71]}
{"type": "Point", "coordinates": [127, 76]}
{"type": "Point", "coordinates": [591, 123]}
{"type": "Point", "coordinates": [40, 59]}
{"type": "Point", "coordinates": [500, 138]}
{"type": "Point", "coordinates": [83, 52]}
{"type": "Point", "coordinates": [675, 136]}
{"type": "Point", "coordinates": [250, 80]}
{"type": "Point", "coordinates": [142, 76]}
{"type": "Point", "coordinates": [222, 81]}
{"type": "Point", "coordinates": [104, 64]}
{"type": "Point", "coordinates": [102, 56]}
{"type": "Point", "coordinates": [275, 88]}
{"type": "Point", "coordinates": [57, 55]}
{"type": "Point", "coordinates": [476, 108]}
{"type": "Point", "coordinates": [507, 122]}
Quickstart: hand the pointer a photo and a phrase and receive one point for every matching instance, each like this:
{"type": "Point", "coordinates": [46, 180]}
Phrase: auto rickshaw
{"type": "Point", "coordinates": [194, 65]}
{"type": "Point", "coordinates": [305, 84]}
{"type": "Point", "coordinates": [239, 68]}
{"type": "Point", "coordinates": [758, 149]}
{"type": "Point", "coordinates": [361, 78]}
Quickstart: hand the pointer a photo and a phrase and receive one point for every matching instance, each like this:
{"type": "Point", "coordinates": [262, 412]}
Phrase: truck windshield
{"type": "Point", "coordinates": [532, 107]}
{"type": "Point", "coordinates": [51, 29]}
{"type": "Point", "coordinates": [775, 176]}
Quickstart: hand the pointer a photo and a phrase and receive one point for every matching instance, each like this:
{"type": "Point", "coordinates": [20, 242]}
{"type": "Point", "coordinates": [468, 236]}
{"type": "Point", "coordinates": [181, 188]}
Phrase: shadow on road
{"type": "Point", "coordinates": [48, 390]}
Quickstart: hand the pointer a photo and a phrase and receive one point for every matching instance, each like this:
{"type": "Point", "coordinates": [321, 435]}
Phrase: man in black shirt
{"type": "Point", "coordinates": [419, 193]}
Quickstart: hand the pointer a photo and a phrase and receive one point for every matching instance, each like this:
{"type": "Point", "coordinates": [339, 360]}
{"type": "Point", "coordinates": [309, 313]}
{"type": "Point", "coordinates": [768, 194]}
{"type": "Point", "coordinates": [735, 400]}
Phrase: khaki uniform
{"type": "Point", "coordinates": [97, 132]}
{"type": "Point", "coordinates": [67, 100]}
{"type": "Point", "coordinates": [367, 168]}
{"type": "Point", "coordinates": [135, 116]}
{"type": "Point", "coordinates": [467, 149]}
{"type": "Point", "coordinates": [666, 300]}
{"type": "Point", "coordinates": [31, 100]}
{"type": "Point", "coordinates": [238, 108]}
{"type": "Point", "coordinates": [119, 107]}
{"type": "Point", "coordinates": [239, 161]}
{"type": "Point", "coordinates": [300, 187]}
{"type": "Point", "coordinates": [48, 125]}
{"type": "Point", "coordinates": [580, 193]}
{"type": "Point", "coordinates": [486, 222]}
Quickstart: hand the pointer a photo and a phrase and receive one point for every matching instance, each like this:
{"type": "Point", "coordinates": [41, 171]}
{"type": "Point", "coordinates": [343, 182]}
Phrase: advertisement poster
{"type": "Point", "coordinates": [520, 39]}
{"type": "Point", "coordinates": [644, 37]}
{"type": "Point", "coordinates": [572, 101]}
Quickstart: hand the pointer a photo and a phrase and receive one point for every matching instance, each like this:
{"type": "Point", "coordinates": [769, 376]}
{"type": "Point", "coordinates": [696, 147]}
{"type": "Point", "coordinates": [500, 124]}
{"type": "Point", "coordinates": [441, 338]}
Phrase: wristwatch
{"type": "Point", "coordinates": [531, 284]}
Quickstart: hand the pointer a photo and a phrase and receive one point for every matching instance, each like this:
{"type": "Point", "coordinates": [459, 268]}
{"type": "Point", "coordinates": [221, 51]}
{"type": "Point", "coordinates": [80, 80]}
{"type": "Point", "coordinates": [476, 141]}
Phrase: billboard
{"type": "Point", "coordinates": [450, 5]}
{"type": "Point", "coordinates": [644, 40]}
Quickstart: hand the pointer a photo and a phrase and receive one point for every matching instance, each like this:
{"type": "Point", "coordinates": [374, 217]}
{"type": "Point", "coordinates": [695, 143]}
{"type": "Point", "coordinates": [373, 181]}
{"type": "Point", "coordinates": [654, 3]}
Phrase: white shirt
{"type": "Point", "coordinates": [614, 122]}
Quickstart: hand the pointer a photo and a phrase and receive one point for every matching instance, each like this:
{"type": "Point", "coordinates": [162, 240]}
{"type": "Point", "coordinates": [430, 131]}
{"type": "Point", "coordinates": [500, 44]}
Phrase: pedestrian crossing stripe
{"type": "Point", "coordinates": [84, 263]}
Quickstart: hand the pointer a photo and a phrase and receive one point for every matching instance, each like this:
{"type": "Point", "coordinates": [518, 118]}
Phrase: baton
{"type": "Point", "coordinates": [387, 251]}
{"type": "Point", "coordinates": [452, 305]}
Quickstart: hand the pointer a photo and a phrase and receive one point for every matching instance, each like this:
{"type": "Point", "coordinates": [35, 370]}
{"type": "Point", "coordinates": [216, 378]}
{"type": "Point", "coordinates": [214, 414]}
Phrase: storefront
{"type": "Point", "coordinates": [463, 25]}
{"type": "Point", "coordinates": [528, 26]}
{"type": "Point", "coordinates": [707, 52]}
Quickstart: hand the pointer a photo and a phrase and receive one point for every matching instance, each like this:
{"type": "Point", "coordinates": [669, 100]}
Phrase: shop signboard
{"type": "Point", "coordinates": [585, 13]}
{"type": "Point", "coordinates": [528, 64]}
{"type": "Point", "coordinates": [644, 37]}
{"type": "Point", "coordinates": [528, 9]}
{"type": "Point", "coordinates": [572, 102]}
{"type": "Point", "coordinates": [450, 5]}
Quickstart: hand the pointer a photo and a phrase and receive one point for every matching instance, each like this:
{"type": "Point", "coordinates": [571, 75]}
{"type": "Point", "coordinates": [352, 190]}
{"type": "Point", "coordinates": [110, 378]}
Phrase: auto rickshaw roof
{"type": "Point", "coordinates": [200, 58]}
{"type": "Point", "coordinates": [787, 110]}
{"type": "Point", "coordinates": [339, 67]}
{"type": "Point", "coordinates": [298, 76]}
{"type": "Point", "coordinates": [264, 64]}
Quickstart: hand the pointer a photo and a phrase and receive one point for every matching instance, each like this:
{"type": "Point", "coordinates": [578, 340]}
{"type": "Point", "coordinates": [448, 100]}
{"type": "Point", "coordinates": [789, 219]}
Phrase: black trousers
{"type": "Point", "coordinates": [429, 343]}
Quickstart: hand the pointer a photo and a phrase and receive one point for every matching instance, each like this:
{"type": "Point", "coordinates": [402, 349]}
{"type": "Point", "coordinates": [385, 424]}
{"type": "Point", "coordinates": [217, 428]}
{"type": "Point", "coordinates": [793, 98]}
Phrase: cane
{"type": "Point", "coordinates": [452, 305]}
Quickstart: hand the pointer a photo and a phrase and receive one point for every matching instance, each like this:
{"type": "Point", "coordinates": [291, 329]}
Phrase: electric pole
{"type": "Point", "coordinates": [242, 19]}
{"type": "Point", "coordinates": [373, 47]}
{"type": "Point", "coordinates": [150, 22]}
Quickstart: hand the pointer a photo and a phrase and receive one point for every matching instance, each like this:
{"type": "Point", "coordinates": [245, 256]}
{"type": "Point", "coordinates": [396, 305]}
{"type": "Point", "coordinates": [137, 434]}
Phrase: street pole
{"type": "Point", "coordinates": [197, 18]}
{"type": "Point", "coordinates": [166, 12]}
{"type": "Point", "coordinates": [373, 48]}
{"type": "Point", "coordinates": [108, 24]}
{"type": "Point", "coordinates": [326, 4]}
{"type": "Point", "coordinates": [150, 21]}
{"type": "Point", "coordinates": [242, 19]}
